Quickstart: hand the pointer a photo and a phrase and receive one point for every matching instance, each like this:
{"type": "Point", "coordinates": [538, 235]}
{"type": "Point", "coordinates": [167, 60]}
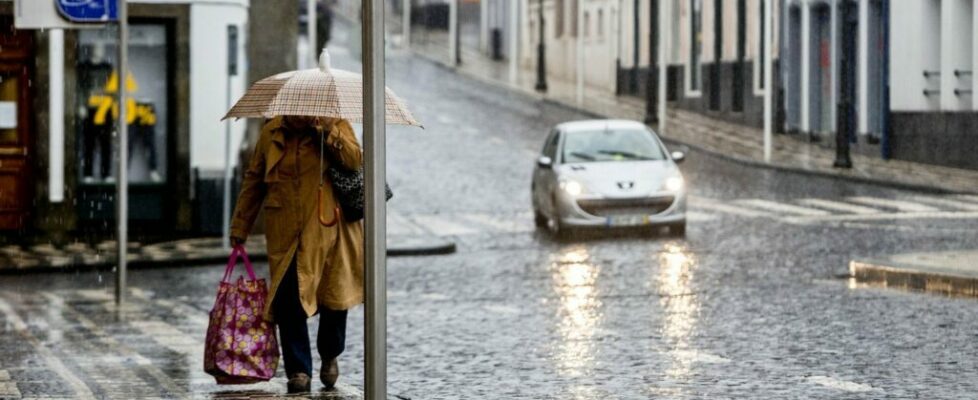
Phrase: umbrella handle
{"type": "Point", "coordinates": [319, 211]}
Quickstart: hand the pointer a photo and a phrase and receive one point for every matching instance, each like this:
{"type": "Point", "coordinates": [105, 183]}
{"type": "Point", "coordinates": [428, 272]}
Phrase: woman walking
{"type": "Point", "coordinates": [314, 256]}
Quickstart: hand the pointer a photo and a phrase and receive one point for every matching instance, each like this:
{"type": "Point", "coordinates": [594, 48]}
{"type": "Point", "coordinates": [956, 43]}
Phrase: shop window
{"type": "Point", "coordinates": [146, 108]}
{"type": "Point", "coordinates": [694, 71]}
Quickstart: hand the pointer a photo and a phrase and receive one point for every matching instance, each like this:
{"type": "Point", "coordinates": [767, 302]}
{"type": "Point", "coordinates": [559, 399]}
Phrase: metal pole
{"type": "Point", "coordinates": [375, 228]}
{"type": "Point", "coordinates": [541, 85]}
{"type": "Point", "coordinates": [122, 178]}
{"type": "Point", "coordinates": [768, 90]}
{"type": "Point", "coordinates": [651, 91]}
{"type": "Point", "coordinates": [453, 32]}
{"type": "Point", "coordinates": [406, 23]}
{"type": "Point", "coordinates": [56, 116]}
{"type": "Point", "coordinates": [311, 33]}
{"type": "Point", "coordinates": [226, 210]}
{"type": "Point", "coordinates": [514, 42]}
{"type": "Point", "coordinates": [580, 53]}
{"type": "Point", "coordinates": [664, 46]}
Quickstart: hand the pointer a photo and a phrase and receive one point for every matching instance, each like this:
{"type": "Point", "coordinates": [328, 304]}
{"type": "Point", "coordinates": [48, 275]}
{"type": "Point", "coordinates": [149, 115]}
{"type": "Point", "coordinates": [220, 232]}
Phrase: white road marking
{"type": "Point", "coordinates": [122, 352]}
{"type": "Point", "coordinates": [398, 224]}
{"type": "Point", "coordinates": [839, 384]}
{"type": "Point", "coordinates": [968, 197]}
{"type": "Point", "coordinates": [946, 202]}
{"type": "Point", "coordinates": [882, 217]}
{"type": "Point", "coordinates": [441, 226]}
{"type": "Point", "coordinates": [724, 207]}
{"type": "Point", "coordinates": [781, 207]}
{"type": "Point", "coordinates": [501, 309]}
{"type": "Point", "coordinates": [699, 356]}
{"type": "Point", "coordinates": [499, 223]}
{"type": "Point", "coordinates": [81, 390]}
{"type": "Point", "coordinates": [8, 390]}
{"type": "Point", "coordinates": [904, 206]}
{"type": "Point", "coordinates": [434, 296]}
{"type": "Point", "coordinates": [839, 206]}
{"type": "Point", "coordinates": [698, 216]}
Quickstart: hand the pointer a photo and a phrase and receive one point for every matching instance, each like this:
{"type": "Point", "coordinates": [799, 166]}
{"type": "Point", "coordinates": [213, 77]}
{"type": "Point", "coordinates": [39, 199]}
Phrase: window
{"type": "Point", "coordinates": [559, 11]}
{"type": "Point", "coordinates": [574, 9]}
{"type": "Point", "coordinates": [611, 145]}
{"type": "Point", "coordinates": [587, 24]}
{"type": "Point", "coordinates": [600, 23]}
{"type": "Point", "coordinates": [550, 148]}
{"type": "Point", "coordinates": [147, 84]}
{"type": "Point", "coordinates": [694, 80]}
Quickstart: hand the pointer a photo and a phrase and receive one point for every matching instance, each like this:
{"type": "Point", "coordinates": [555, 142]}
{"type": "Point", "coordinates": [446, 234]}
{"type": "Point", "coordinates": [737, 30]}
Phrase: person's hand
{"type": "Point", "coordinates": [236, 241]}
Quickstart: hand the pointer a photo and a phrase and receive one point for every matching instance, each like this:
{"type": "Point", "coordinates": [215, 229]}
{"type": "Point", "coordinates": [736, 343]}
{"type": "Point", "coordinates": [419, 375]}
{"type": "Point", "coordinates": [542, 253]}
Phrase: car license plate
{"type": "Point", "coordinates": [628, 220]}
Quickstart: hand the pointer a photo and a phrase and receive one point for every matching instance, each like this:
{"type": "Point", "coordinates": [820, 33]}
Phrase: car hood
{"type": "Point", "coordinates": [620, 178]}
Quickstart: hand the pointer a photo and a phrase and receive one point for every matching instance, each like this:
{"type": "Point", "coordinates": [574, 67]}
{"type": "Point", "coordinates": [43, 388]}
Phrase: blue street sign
{"type": "Point", "coordinates": [88, 10]}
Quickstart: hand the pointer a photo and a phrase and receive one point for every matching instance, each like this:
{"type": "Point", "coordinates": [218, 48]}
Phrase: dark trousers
{"type": "Point", "coordinates": [294, 333]}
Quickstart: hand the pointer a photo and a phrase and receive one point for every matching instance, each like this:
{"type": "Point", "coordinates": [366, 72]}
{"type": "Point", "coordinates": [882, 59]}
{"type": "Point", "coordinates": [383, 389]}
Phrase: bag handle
{"type": "Point", "coordinates": [238, 252]}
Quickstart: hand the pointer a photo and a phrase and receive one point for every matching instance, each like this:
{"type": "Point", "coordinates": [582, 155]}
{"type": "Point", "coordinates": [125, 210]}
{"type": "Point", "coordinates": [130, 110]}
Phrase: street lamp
{"type": "Point", "coordinates": [541, 85]}
{"type": "Point", "coordinates": [651, 108]}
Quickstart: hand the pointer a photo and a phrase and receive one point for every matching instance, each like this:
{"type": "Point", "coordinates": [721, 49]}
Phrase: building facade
{"type": "Point", "coordinates": [188, 60]}
{"type": "Point", "coordinates": [901, 93]}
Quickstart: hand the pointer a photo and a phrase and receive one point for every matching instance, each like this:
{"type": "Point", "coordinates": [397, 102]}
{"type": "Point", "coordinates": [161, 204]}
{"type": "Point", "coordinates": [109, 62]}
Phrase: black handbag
{"type": "Point", "coordinates": [348, 186]}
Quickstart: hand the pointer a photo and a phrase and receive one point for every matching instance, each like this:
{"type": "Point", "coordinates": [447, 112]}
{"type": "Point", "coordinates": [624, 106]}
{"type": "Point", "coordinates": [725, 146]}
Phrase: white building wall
{"type": "Point", "coordinates": [209, 80]}
{"type": "Point", "coordinates": [913, 51]}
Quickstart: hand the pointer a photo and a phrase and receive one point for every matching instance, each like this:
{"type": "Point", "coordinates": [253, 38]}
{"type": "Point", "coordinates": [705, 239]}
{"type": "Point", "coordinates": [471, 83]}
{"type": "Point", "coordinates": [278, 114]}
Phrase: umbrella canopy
{"type": "Point", "coordinates": [320, 92]}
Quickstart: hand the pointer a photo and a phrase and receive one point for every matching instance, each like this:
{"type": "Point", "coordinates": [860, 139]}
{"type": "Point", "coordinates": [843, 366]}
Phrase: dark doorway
{"type": "Point", "coordinates": [717, 55]}
{"type": "Point", "coordinates": [738, 68]}
{"type": "Point", "coordinates": [846, 123]}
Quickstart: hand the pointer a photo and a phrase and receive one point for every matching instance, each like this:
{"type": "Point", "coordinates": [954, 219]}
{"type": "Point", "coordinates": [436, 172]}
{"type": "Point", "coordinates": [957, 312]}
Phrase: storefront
{"type": "Point", "coordinates": [149, 113]}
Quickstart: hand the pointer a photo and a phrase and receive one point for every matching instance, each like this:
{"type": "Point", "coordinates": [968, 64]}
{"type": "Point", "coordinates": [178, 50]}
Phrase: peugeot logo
{"type": "Point", "coordinates": [625, 185]}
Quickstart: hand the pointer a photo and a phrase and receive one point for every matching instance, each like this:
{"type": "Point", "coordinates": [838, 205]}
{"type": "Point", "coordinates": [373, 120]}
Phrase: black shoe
{"type": "Point", "coordinates": [299, 383]}
{"type": "Point", "coordinates": [329, 373]}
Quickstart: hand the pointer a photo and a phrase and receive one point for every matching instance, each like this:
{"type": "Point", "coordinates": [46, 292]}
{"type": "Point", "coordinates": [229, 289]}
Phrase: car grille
{"type": "Point", "coordinates": [644, 206]}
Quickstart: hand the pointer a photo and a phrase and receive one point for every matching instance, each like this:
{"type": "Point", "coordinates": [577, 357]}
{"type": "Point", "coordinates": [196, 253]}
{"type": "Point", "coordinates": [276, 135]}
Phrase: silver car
{"type": "Point", "coordinates": [607, 174]}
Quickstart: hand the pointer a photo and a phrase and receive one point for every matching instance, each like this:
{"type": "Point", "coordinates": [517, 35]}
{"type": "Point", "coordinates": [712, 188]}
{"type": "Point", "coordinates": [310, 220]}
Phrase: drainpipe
{"type": "Point", "coordinates": [885, 101]}
{"type": "Point", "coordinates": [634, 74]}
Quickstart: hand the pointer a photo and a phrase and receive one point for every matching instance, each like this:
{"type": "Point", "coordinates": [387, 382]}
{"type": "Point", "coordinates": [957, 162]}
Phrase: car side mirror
{"type": "Point", "coordinates": [545, 162]}
{"type": "Point", "coordinates": [678, 156]}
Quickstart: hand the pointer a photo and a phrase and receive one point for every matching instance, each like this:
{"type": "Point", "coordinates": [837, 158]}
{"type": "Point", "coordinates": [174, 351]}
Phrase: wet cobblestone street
{"type": "Point", "coordinates": [754, 303]}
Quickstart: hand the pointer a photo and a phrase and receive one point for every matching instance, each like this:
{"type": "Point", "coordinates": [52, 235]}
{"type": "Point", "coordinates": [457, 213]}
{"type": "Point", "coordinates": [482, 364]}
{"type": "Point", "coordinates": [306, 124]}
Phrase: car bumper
{"type": "Point", "coordinates": [571, 214]}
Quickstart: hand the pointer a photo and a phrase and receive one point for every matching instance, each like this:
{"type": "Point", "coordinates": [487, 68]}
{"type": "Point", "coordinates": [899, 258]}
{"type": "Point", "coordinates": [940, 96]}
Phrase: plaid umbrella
{"type": "Point", "coordinates": [321, 92]}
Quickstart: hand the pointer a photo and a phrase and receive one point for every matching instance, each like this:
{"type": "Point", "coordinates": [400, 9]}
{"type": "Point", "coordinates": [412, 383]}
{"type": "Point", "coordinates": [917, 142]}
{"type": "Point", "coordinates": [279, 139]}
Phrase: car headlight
{"type": "Point", "coordinates": [673, 184]}
{"type": "Point", "coordinates": [572, 188]}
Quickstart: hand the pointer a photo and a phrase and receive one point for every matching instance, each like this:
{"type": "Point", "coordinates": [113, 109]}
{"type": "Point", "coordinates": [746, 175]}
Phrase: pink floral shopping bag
{"type": "Point", "coordinates": [241, 346]}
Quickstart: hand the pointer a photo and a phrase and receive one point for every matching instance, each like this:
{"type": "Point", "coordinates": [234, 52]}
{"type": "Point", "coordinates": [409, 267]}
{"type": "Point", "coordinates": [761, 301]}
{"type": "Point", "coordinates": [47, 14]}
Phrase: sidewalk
{"type": "Point", "coordinates": [16, 259]}
{"type": "Point", "coordinates": [953, 273]}
{"type": "Point", "coordinates": [736, 142]}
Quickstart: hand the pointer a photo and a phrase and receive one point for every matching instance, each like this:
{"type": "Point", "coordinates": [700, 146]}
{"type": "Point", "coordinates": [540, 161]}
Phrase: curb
{"type": "Point", "coordinates": [441, 248]}
{"type": "Point", "coordinates": [418, 248]}
{"type": "Point", "coordinates": [907, 277]}
{"type": "Point", "coordinates": [740, 160]}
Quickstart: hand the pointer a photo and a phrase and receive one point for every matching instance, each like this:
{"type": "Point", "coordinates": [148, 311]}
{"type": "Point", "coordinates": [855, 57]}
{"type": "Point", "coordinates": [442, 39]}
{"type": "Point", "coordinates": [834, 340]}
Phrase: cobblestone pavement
{"type": "Point", "coordinates": [754, 303]}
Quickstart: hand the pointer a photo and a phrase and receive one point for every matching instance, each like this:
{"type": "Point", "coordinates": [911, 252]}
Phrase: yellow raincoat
{"type": "Point", "coordinates": [284, 176]}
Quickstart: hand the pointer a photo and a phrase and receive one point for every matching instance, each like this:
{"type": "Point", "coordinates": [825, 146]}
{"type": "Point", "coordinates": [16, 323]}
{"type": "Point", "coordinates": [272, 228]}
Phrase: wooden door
{"type": "Point", "coordinates": [16, 135]}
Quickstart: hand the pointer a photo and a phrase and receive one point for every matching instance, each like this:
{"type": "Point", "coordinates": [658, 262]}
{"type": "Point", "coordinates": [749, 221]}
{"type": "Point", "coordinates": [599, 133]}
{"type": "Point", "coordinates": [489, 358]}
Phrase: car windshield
{"type": "Point", "coordinates": [611, 145]}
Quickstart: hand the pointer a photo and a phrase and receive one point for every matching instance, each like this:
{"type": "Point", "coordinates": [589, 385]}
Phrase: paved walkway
{"type": "Point", "coordinates": [737, 142]}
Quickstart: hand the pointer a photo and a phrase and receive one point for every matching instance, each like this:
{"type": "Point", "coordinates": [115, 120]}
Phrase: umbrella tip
{"type": "Point", "coordinates": [324, 60]}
